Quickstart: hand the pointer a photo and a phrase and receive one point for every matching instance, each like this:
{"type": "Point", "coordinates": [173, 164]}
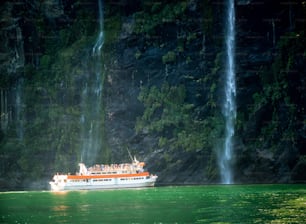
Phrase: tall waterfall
{"type": "Point", "coordinates": [91, 118]}
{"type": "Point", "coordinates": [229, 107]}
{"type": "Point", "coordinates": [19, 110]}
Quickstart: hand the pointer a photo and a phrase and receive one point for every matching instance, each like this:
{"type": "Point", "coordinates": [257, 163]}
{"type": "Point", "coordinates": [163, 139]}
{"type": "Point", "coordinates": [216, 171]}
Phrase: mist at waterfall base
{"type": "Point", "coordinates": [229, 107]}
{"type": "Point", "coordinates": [92, 100]}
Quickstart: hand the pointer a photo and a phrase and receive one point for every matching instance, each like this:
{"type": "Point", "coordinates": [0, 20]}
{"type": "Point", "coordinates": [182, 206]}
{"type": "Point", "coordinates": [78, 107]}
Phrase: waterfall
{"type": "Point", "coordinates": [229, 107]}
{"type": "Point", "coordinates": [4, 111]}
{"type": "Point", "coordinates": [100, 40]}
{"type": "Point", "coordinates": [91, 101]}
{"type": "Point", "coordinates": [19, 110]}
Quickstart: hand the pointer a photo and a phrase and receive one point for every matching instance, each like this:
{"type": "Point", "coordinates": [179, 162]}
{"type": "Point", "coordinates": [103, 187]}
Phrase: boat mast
{"type": "Point", "coordinates": [130, 154]}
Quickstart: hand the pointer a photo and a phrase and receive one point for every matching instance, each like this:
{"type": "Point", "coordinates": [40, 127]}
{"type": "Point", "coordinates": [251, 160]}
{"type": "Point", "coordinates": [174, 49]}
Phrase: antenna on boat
{"type": "Point", "coordinates": [130, 154]}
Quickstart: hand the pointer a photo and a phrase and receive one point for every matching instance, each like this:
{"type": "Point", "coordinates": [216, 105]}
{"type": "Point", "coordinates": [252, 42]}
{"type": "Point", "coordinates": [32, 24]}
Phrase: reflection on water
{"type": "Point", "coordinates": [60, 208]}
{"type": "Point", "coordinates": [59, 192]}
{"type": "Point", "coordinates": [292, 211]}
{"type": "Point", "coordinates": [194, 204]}
{"type": "Point", "coordinates": [84, 208]}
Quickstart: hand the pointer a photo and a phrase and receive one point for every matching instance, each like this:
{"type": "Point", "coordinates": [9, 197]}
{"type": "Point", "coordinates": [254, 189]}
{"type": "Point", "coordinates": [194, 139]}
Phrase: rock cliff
{"type": "Point", "coordinates": [163, 71]}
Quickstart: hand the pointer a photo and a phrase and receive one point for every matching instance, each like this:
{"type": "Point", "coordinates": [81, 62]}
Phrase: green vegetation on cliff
{"type": "Point", "coordinates": [168, 114]}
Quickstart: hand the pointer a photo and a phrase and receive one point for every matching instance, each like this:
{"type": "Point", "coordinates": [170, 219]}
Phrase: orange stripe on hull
{"type": "Point", "coordinates": [77, 177]}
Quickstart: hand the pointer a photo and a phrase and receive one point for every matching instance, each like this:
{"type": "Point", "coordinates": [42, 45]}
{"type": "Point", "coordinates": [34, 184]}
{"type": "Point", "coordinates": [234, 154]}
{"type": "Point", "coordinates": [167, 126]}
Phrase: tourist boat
{"type": "Point", "coordinates": [100, 176]}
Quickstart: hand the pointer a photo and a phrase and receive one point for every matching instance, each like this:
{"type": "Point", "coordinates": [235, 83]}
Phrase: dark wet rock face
{"type": "Point", "coordinates": [151, 51]}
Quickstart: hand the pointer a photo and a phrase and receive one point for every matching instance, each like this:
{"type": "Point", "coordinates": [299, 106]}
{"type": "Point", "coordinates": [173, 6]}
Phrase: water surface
{"type": "Point", "coordinates": [187, 204]}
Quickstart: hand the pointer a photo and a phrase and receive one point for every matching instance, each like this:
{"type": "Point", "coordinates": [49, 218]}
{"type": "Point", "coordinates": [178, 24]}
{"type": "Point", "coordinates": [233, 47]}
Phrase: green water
{"type": "Point", "coordinates": [188, 204]}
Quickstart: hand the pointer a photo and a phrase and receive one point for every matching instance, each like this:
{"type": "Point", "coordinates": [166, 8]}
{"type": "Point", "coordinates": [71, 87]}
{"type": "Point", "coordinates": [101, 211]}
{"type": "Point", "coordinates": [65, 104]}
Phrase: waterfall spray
{"type": "Point", "coordinates": [92, 100]}
{"type": "Point", "coordinates": [229, 107]}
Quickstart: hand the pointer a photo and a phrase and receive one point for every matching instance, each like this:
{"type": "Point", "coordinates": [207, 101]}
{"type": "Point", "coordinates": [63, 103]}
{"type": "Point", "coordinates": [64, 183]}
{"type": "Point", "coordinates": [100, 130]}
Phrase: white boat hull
{"type": "Point", "coordinates": [95, 184]}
